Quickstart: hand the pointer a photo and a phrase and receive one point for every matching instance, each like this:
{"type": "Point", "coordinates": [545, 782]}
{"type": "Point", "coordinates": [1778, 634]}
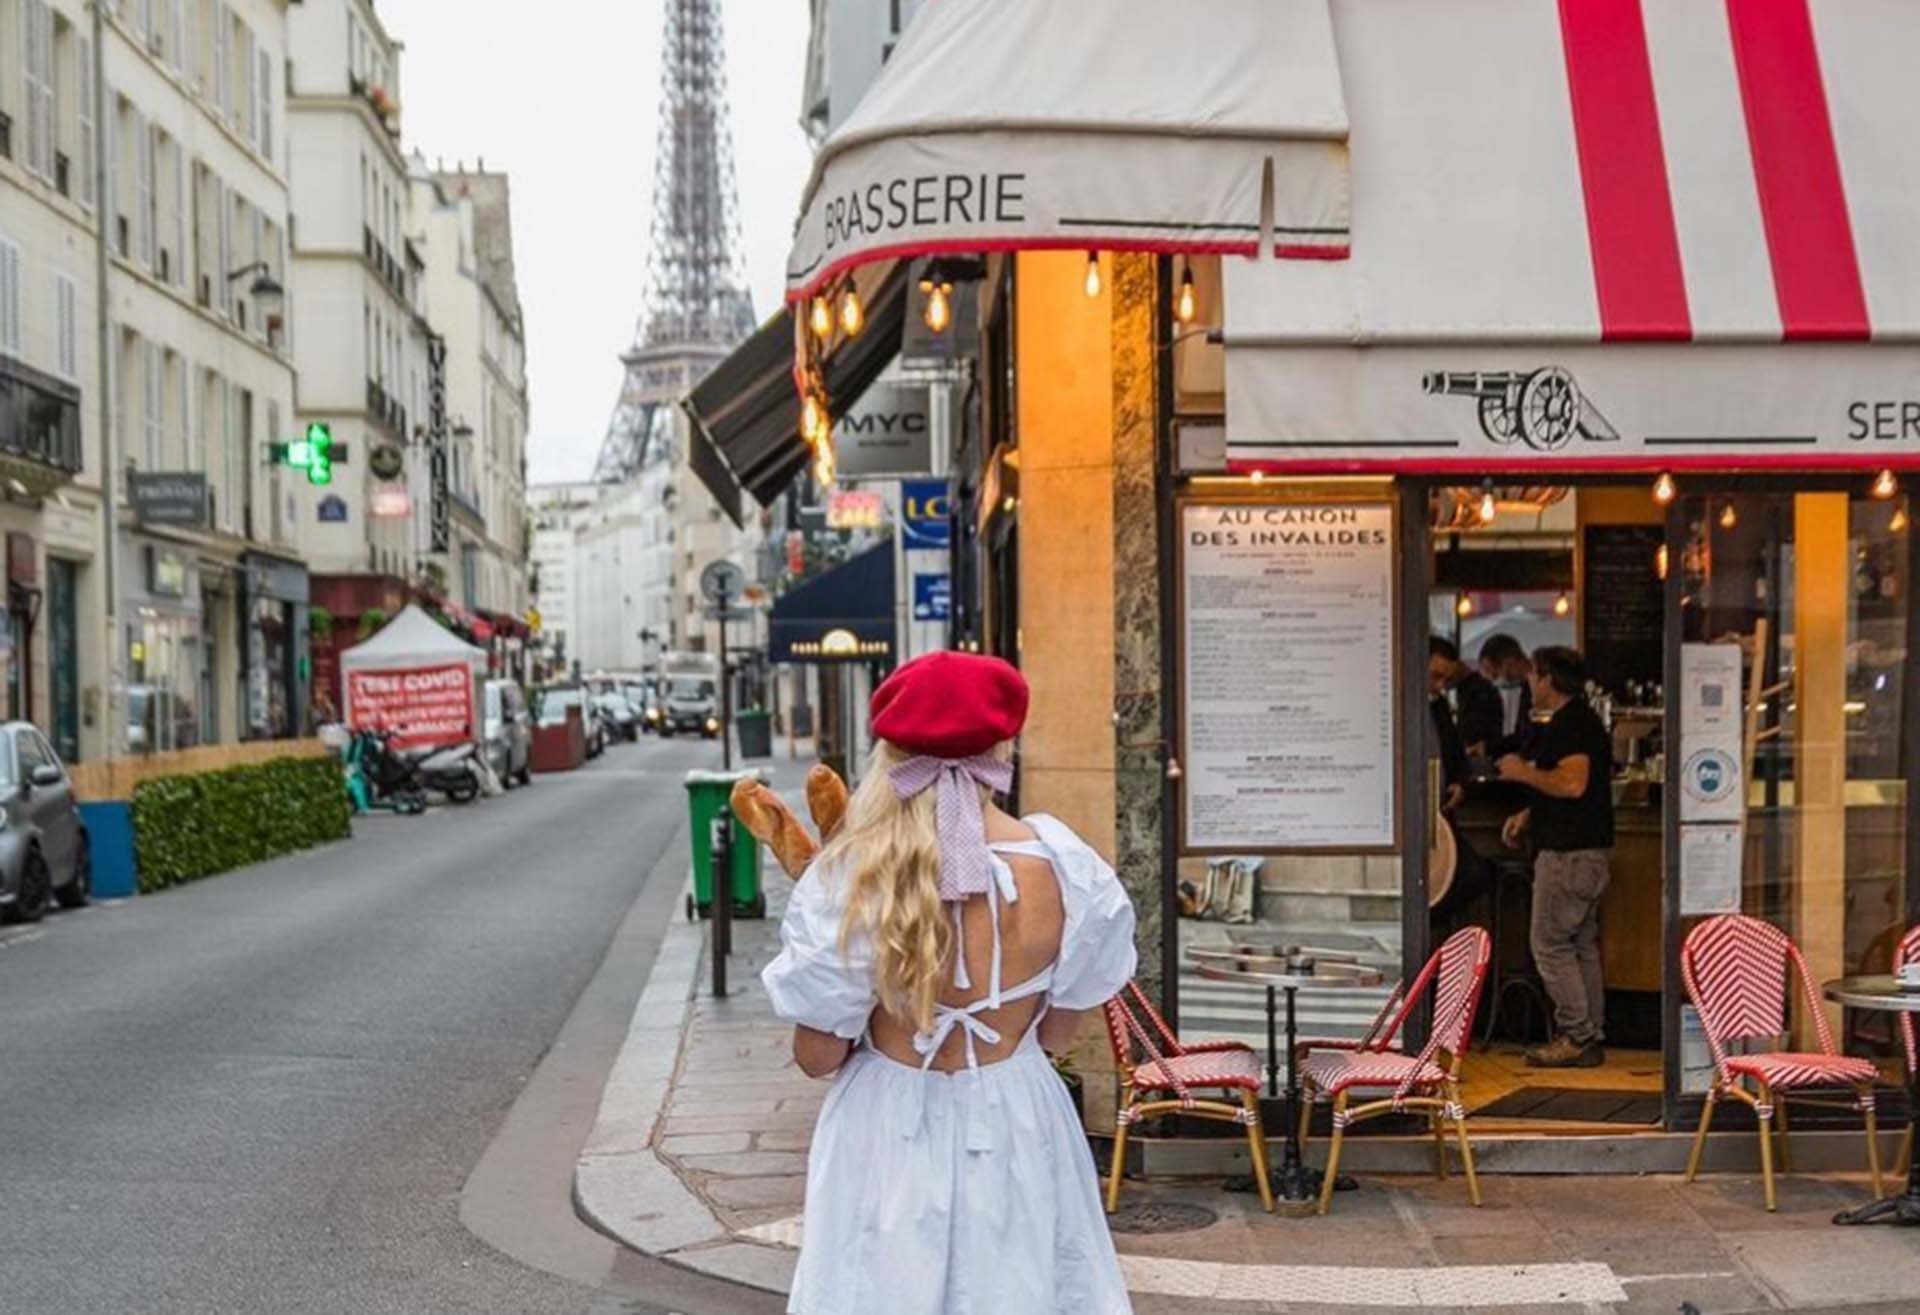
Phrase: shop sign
{"type": "Point", "coordinates": [420, 705]}
{"type": "Point", "coordinates": [166, 572]}
{"type": "Point", "coordinates": [271, 577]}
{"type": "Point", "coordinates": [888, 431]}
{"type": "Point", "coordinates": [333, 509]}
{"type": "Point", "coordinates": [856, 509]}
{"type": "Point", "coordinates": [389, 501]}
{"type": "Point", "coordinates": [1287, 676]}
{"type": "Point", "coordinates": [1596, 407]}
{"type": "Point", "coordinates": [924, 505]}
{"type": "Point", "coordinates": [386, 461]}
{"type": "Point", "coordinates": [932, 597]}
{"type": "Point", "coordinates": [439, 522]}
{"type": "Point", "coordinates": [162, 497]}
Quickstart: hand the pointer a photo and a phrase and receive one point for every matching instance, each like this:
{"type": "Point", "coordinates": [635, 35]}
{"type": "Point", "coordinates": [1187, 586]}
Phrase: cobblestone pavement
{"type": "Point", "coordinates": [715, 1181]}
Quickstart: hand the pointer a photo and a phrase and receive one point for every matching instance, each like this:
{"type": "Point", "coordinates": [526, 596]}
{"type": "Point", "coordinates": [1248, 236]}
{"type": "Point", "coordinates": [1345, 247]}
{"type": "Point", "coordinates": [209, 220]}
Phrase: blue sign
{"type": "Point", "coordinates": [333, 507]}
{"type": "Point", "coordinates": [924, 505]}
{"type": "Point", "coordinates": [932, 597]}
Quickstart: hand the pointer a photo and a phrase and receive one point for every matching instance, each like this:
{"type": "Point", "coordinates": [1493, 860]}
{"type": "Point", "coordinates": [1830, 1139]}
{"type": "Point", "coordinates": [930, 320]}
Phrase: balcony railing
{"type": "Point", "coordinates": [39, 420]}
{"type": "Point", "coordinates": [385, 266]}
{"type": "Point", "coordinates": [384, 409]}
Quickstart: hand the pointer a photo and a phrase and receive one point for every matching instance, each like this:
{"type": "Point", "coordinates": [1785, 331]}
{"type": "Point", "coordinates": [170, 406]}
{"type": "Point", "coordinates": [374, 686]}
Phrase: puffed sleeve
{"type": "Point", "coordinates": [1097, 955]}
{"type": "Point", "coordinates": [813, 981]}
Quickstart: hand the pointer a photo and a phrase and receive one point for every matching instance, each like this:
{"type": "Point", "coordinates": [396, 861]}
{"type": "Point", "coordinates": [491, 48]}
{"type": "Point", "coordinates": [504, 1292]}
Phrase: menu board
{"type": "Point", "coordinates": [1625, 605]}
{"type": "Point", "coordinates": [1288, 670]}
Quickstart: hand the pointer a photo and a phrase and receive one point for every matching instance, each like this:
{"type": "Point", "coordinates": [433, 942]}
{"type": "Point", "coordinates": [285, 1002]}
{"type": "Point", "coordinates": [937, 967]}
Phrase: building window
{"type": "Point", "coordinates": [83, 119]}
{"type": "Point", "coordinates": [66, 344]}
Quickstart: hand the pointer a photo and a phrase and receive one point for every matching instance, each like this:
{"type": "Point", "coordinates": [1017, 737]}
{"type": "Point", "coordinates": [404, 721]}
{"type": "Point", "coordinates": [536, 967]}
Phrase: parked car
{"type": "Point", "coordinates": [508, 731]}
{"type": "Point", "coordinates": [44, 853]}
{"type": "Point", "coordinates": [619, 715]}
{"type": "Point", "coordinates": [554, 702]}
{"type": "Point", "coordinates": [640, 698]}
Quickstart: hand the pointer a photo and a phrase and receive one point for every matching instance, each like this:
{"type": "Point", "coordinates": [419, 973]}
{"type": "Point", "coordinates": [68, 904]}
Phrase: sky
{"type": "Point", "coordinates": [563, 95]}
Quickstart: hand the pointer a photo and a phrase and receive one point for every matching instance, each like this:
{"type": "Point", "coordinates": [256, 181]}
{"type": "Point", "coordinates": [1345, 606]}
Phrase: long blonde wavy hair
{"type": "Point", "coordinates": [889, 849]}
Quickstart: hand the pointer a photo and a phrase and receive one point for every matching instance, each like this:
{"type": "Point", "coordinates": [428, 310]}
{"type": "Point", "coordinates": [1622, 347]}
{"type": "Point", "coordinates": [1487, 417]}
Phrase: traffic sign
{"type": "Point", "coordinates": [722, 580]}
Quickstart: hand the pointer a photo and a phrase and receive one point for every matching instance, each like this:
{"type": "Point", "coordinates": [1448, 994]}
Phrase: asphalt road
{"type": "Point", "coordinates": [269, 1091]}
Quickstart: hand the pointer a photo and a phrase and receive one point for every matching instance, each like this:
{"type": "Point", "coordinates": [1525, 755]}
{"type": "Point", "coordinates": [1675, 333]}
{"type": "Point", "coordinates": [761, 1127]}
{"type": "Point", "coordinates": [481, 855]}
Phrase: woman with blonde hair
{"type": "Point", "coordinates": [931, 956]}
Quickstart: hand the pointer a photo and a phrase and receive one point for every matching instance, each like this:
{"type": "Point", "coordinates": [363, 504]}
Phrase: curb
{"type": "Point", "coordinates": [621, 1186]}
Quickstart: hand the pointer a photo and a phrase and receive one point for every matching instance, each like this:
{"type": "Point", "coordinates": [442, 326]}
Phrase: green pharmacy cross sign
{"type": "Point", "coordinates": [315, 452]}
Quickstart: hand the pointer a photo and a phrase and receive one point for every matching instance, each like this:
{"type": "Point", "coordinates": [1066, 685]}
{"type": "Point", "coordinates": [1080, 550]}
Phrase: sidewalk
{"type": "Point", "coordinates": [699, 1157]}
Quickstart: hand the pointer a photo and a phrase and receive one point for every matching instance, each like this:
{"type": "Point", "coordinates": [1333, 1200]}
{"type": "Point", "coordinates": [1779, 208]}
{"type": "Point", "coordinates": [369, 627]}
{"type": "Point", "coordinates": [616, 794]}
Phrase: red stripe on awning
{"type": "Point", "coordinates": [1637, 274]}
{"type": "Point", "coordinates": [1803, 204]}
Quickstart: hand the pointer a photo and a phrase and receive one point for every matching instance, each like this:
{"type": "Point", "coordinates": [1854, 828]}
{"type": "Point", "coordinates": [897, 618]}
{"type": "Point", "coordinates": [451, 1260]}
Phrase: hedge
{"type": "Point", "coordinates": [193, 826]}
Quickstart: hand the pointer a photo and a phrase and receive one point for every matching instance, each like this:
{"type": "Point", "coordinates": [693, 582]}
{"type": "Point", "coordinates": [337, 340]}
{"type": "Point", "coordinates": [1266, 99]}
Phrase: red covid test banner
{"type": "Point", "coordinates": [420, 706]}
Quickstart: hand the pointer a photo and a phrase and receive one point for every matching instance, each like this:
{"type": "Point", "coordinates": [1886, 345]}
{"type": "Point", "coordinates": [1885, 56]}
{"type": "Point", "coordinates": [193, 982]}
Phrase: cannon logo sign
{"type": "Point", "coordinates": [420, 706]}
{"type": "Point", "coordinates": [1541, 409]}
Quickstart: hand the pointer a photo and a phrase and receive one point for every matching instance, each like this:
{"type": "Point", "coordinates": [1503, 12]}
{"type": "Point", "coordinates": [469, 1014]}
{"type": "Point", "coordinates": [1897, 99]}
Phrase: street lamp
{"type": "Point", "coordinates": [265, 290]}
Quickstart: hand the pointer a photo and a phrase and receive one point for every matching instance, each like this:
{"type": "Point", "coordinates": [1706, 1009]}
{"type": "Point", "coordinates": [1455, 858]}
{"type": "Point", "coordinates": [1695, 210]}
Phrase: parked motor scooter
{"type": "Point", "coordinates": [379, 778]}
{"type": "Point", "coordinates": [452, 771]}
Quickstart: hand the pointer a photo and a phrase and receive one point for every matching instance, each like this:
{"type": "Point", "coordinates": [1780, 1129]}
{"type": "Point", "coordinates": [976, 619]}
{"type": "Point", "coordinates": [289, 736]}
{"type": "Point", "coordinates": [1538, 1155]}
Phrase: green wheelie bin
{"type": "Point", "coordinates": [707, 800]}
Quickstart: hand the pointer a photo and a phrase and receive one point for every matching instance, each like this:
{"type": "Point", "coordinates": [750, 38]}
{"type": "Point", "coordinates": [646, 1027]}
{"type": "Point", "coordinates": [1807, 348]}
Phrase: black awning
{"type": "Point", "coordinates": [711, 468]}
{"type": "Point", "coordinates": [748, 410]}
{"type": "Point", "coordinates": [845, 615]}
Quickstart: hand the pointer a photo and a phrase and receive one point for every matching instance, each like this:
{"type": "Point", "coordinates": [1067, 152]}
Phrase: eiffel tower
{"type": "Point", "coordinates": [697, 307]}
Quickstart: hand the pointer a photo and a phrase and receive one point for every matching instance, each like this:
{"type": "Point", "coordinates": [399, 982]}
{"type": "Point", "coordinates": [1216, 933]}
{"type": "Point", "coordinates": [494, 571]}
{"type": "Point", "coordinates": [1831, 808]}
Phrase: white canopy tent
{"type": "Point", "coordinates": [414, 678]}
{"type": "Point", "coordinates": [1006, 124]}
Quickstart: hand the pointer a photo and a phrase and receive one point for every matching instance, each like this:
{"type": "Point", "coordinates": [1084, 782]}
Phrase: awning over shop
{"type": "Point", "coordinates": [1639, 244]}
{"type": "Point", "coordinates": [1001, 124]}
{"type": "Point", "coordinates": [746, 412]}
{"type": "Point", "coordinates": [844, 615]}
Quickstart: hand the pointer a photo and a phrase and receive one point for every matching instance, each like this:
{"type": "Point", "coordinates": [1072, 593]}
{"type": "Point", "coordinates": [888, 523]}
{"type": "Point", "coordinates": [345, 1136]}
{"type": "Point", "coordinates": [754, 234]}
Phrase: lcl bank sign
{"type": "Point", "coordinates": [888, 431]}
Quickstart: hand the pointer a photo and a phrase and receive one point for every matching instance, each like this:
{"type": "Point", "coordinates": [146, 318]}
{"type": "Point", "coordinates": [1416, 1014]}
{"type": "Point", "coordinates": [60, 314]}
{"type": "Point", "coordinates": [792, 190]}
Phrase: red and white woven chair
{"type": "Point", "coordinates": [1738, 973]}
{"type": "Point", "coordinates": [1909, 952]}
{"type": "Point", "coordinates": [1164, 1075]}
{"type": "Point", "coordinates": [1428, 1081]}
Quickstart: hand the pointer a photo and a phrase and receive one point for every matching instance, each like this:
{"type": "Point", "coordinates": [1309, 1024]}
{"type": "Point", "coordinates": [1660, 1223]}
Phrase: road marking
{"type": "Point", "coordinates": [1575, 1283]}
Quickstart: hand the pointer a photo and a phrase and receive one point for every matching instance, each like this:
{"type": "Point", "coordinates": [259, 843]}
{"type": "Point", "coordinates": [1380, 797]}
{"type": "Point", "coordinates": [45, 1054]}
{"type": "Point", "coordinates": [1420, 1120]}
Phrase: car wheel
{"type": "Point", "coordinates": [80, 889]}
{"type": "Point", "coordinates": [526, 773]}
{"type": "Point", "coordinates": [36, 887]}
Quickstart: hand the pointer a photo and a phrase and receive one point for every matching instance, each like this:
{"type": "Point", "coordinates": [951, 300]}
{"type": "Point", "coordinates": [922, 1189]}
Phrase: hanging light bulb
{"type": "Point", "coordinates": [852, 317]}
{"type": "Point", "coordinates": [1664, 489]}
{"type": "Point", "coordinates": [820, 318]}
{"type": "Point", "coordinates": [1184, 306]}
{"type": "Point", "coordinates": [1258, 476]}
{"type": "Point", "coordinates": [1489, 509]}
{"type": "Point", "coordinates": [823, 463]}
{"type": "Point", "coordinates": [1563, 604]}
{"type": "Point", "coordinates": [1884, 485]}
{"type": "Point", "coordinates": [1093, 274]}
{"type": "Point", "coordinates": [1898, 524]}
{"type": "Point", "coordinates": [813, 419]}
{"type": "Point", "coordinates": [1660, 562]}
{"type": "Point", "coordinates": [1729, 517]}
{"type": "Point", "coordinates": [939, 311]}
{"type": "Point", "coordinates": [1463, 605]}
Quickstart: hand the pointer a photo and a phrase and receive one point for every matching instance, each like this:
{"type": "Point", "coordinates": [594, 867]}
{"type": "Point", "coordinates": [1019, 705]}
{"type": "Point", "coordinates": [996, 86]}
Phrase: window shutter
{"type": "Point", "coordinates": [144, 219]}
{"type": "Point", "coordinates": [185, 377]}
{"type": "Point", "coordinates": [246, 103]}
{"type": "Point", "coordinates": [65, 328]}
{"type": "Point", "coordinates": [182, 267]}
{"type": "Point", "coordinates": [266, 105]}
{"type": "Point", "coordinates": [150, 360]}
{"type": "Point", "coordinates": [83, 116]}
{"type": "Point", "coordinates": [191, 63]}
{"type": "Point", "coordinates": [9, 297]}
{"type": "Point", "coordinates": [176, 34]}
{"type": "Point", "coordinates": [222, 285]}
{"type": "Point", "coordinates": [222, 66]}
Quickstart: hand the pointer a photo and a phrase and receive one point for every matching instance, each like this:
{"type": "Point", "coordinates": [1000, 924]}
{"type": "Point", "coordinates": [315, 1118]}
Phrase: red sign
{"type": "Point", "coordinates": [421, 706]}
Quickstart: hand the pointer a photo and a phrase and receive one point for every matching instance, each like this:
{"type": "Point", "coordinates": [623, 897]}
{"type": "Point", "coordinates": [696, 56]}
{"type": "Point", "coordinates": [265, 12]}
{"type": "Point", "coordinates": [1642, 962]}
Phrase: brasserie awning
{"type": "Point", "coordinates": [1651, 237]}
{"type": "Point", "coordinates": [746, 412]}
{"type": "Point", "coordinates": [845, 614]}
{"type": "Point", "coordinates": [1121, 124]}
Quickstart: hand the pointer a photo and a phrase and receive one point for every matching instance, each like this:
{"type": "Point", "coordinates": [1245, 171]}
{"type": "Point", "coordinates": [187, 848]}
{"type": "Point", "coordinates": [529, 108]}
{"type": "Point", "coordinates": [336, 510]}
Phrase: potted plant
{"type": "Point", "coordinates": [1063, 1065]}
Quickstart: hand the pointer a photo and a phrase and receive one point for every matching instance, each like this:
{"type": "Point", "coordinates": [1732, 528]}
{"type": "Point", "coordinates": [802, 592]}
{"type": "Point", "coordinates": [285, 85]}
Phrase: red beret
{"type": "Point", "coordinates": [950, 705]}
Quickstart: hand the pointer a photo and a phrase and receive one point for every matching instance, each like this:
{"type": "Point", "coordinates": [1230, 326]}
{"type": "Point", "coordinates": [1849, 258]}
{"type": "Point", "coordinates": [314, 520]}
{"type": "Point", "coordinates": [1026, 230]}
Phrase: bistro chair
{"type": "Point", "coordinates": [1738, 972]}
{"type": "Point", "coordinates": [1455, 975]}
{"type": "Point", "coordinates": [1909, 952]}
{"type": "Point", "coordinates": [1165, 1076]}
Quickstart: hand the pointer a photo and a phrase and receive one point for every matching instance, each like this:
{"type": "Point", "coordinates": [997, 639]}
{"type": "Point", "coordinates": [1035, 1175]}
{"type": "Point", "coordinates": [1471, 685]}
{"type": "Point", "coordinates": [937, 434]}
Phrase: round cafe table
{"type": "Point", "coordinates": [1883, 992]}
{"type": "Point", "coordinates": [1293, 1180]}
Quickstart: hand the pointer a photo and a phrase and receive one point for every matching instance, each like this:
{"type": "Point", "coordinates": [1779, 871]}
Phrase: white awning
{"type": "Point", "coordinates": [1637, 243]}
{"type": "Point", "coordinates": [1110, 124]}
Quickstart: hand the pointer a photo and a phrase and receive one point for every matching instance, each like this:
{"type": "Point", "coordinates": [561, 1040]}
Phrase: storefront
{"type": "Point", "coordinates": [1618, 353]}
{"type": "Point", "coordinates": [275, 633]}
{"type": "Point", "coordinates": [167, 662]}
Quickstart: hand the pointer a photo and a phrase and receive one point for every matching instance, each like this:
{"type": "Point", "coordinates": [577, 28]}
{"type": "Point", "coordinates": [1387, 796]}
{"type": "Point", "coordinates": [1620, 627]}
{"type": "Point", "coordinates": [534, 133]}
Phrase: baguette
{"type": "Point", "coordinates": [826, 800]}
{"type": "Point", "coordinates": [769, 820]}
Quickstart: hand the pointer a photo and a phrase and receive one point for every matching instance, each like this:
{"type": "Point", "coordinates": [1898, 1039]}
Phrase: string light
{"type": "Point", "coordinates": [1899, 522]}
{"type": "Point", "coordinates": [1884, 485]}
{"type": "Point", "coordinates": [1489, 509]}
{"type": "Point", "coordinates": [823, 465]}
{"type": "Point", "coordinates": [820, 319]}
{"type": "Point", "coordinates": [852, 317]}
{"type": "Point", "coordinates": [1184, 308]}
{"type": "Point", "coordinates": [1660, 562]}
{"type": "Point", "coordinates": [1093, 274]}
{"type": "Point", "coordinates": [1258, 476]}
{"type": "Point", "coordinates": [939, 311]}
{"type": "Point", "coordinates": [813, 419]}
{"type": "Point", "coordinates": [1728, 517]}
{"type": "Point", "coordinates": [1563, 604]}
{"type": "Point", "coordinates": [1664, 489]}
{"type": "Point", "coordinates": [1463, 605]}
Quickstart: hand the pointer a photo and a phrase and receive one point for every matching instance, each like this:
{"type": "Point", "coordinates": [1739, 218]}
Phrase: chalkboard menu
{"type": "Point", "coordinates": [1624, 604]}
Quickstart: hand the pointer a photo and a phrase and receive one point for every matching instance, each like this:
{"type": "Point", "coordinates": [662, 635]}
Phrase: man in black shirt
{"type": "Point", "coordinates": [1477, 706]}
{"type": "Point", "coordinates": [1569, 768]}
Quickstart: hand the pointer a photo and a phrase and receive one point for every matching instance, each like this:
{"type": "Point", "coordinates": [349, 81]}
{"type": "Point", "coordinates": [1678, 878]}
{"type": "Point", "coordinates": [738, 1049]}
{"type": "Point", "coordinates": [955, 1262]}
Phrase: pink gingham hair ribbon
{"type": "Point", "coordinates": [967, 865]}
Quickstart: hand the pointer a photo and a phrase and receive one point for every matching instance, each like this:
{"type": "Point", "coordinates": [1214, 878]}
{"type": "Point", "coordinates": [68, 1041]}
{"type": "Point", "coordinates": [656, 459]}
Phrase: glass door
{"type": "Point", "coordinates": [1789, 798]}
{"type": "Point", "coordinates": [63, 656]}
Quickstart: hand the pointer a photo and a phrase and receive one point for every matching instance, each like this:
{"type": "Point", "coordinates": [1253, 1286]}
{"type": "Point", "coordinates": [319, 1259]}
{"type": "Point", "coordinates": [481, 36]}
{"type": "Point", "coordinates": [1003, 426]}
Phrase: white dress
{"type": "Point", "coordinates": [963, 1193]}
